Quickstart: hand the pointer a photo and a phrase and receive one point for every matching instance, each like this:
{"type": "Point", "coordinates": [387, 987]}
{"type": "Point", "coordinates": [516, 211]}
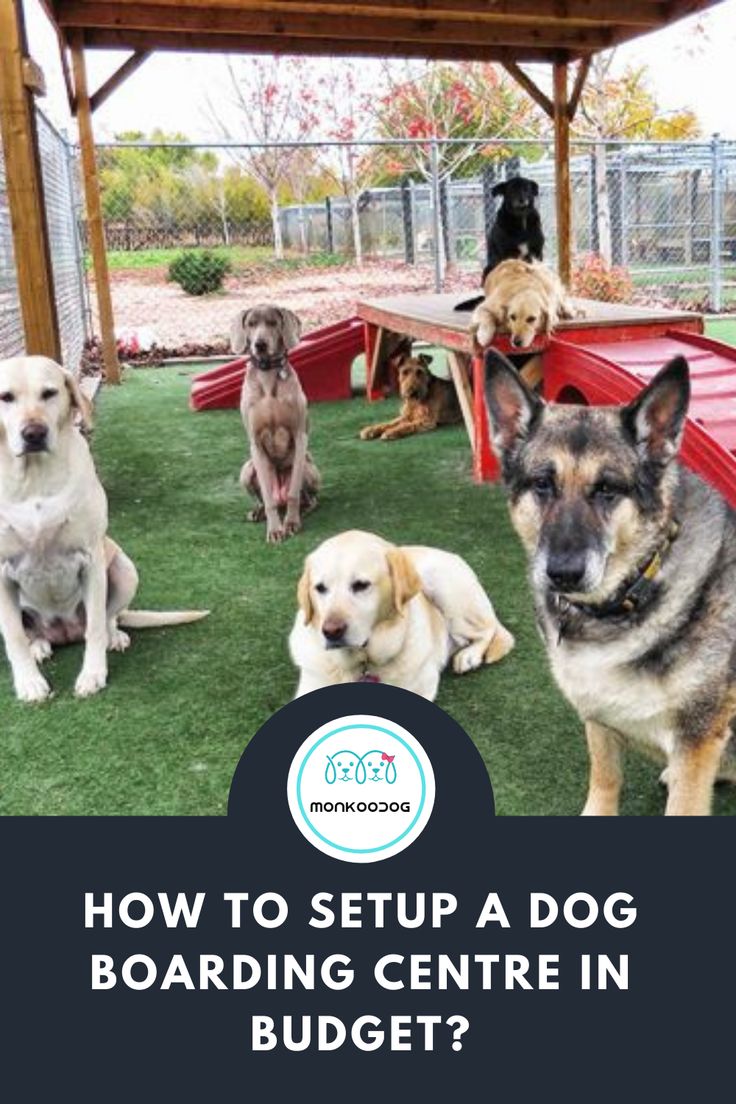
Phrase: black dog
{"type": "Point", "coordinates": [516, 230]}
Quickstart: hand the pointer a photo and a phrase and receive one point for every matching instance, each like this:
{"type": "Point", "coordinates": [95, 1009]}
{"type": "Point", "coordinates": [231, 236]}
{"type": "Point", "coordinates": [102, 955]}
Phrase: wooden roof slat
{"type": "Point", "coordinates": [155, 18]}
{"type": "Point", "coordinates": [196, 42]}
{"type": "Point", "coordinates": [485, 30]}
{"type": "Point", "coordinates": [644, 13]}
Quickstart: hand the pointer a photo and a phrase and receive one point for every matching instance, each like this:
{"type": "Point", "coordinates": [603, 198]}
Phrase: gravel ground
{"type": "Point", "coordinates": [318, 295]}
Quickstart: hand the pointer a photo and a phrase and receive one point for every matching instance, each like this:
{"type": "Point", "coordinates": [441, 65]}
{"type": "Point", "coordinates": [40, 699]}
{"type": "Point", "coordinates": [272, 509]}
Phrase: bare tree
{"type": "Point", "coordinates": [270, 103]}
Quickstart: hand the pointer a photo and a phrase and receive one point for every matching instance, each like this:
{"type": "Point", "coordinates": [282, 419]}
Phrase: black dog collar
{"type": "Point", "coordinates": [632, 595]}
{"type": "Point", "coordinates": [271, 363]}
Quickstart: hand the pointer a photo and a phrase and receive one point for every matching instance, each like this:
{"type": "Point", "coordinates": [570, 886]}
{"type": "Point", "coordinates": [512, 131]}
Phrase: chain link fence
{"type": "Point", "coordinates": [195, 232]}
{"type": "Point", "coordinates": [63, 208]}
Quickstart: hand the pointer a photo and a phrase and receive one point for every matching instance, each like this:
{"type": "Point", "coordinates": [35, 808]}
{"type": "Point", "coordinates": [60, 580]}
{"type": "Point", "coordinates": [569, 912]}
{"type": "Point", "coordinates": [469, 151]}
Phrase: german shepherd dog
{"type": "Point", "coordinates": [633, 568]}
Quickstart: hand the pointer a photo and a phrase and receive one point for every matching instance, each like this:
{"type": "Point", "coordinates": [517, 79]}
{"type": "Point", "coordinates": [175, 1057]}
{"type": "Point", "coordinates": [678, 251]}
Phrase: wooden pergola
{"type": "Point", "coordinates": [562, 33]}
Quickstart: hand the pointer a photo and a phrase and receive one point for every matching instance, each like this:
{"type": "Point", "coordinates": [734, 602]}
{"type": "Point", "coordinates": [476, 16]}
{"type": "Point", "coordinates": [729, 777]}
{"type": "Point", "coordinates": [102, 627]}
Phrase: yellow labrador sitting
{"type": "Point", "coordinates": [369, 611]}
{"type": "Point", "coordinates": [61, 578]}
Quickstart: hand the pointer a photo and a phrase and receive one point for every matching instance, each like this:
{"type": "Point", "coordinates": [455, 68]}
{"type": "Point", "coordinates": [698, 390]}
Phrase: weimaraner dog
{"type": "Point", "coordinates": [280, 473]}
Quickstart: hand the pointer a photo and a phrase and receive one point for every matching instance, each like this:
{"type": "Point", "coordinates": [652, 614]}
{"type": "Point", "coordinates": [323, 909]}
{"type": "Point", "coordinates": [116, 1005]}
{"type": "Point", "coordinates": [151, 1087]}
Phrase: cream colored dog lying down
{"type": "Point", "coordinates": [523, 299]}
{"type": "Point", "coordinates": [369, 611]}
{"type": "Point", "coordinates": [61, 577]}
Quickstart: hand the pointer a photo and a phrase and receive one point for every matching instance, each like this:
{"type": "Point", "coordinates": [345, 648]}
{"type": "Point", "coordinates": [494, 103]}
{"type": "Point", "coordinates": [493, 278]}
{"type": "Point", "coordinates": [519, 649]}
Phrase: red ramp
{"type": "Point", "coordinates": [323, 361]}
{"type": "Point", "coordinates": [600, 373]}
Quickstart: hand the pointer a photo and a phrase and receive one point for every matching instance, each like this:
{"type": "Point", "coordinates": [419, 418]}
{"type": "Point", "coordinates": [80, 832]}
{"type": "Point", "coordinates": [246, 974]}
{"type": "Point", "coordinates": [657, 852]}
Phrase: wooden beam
{"type": "Point", "coordinates": [152, 17]}
{"type": "Point", "coordinates": [643, 13]}
{"type": "Point", "coordinates": [114, 81]}
{"type": "Point", "coordinates": [48, 7]}
{"type": "Point", "coordinates": [95, 225]}
{"type": "Point", "coordinates": [577, 89]}
{"type": "Point", "coordinates": [563, 193]}
{"type": "Point", "coordinates": [104, 39]}
{"type": "Point", "coordinates": [24, 184]}
{"type": "Point", "coordinates": [530, 87]}
{"type": "Point", "coordinates": [33, 77]}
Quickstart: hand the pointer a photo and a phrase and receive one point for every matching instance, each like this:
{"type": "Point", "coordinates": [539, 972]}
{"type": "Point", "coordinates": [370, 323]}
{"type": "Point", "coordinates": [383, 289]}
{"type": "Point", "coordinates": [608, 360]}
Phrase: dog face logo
{"type": "Point", "coordinates": [341, 766]}
{"type": "Point", "coordinates": [372, 766]}
{"type": "Point", "coordinates": [378, 766]}
{"type": "Point", "coordinates": [588, 486]}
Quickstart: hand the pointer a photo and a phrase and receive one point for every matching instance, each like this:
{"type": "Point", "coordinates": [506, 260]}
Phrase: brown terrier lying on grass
{"type": "Point", "coordinates": [428, 402]}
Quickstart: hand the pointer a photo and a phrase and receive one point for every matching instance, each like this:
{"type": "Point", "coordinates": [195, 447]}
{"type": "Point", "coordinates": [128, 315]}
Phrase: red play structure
{"type": "Point", "coordinates": [603, 372]}
{"type": "Point", "coordinates": [323, 360]}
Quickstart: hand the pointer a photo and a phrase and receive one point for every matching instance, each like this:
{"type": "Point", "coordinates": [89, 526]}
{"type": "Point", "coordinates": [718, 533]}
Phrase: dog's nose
{"type": "Point", "coordinates": [334, 630]}
{"type": "Point", "coordinates": [34, 435]}
{"type": "Point", "coordinates": [566, 572]}
{"type": "Point", "coordinates": [516, 342]}
{"type": "Point", "coordinates": [261, 346]}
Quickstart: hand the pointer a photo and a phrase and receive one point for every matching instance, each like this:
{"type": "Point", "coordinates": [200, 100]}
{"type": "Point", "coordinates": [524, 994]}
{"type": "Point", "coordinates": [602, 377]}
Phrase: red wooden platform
{"type": "Point", "coordinates": [602, 358]}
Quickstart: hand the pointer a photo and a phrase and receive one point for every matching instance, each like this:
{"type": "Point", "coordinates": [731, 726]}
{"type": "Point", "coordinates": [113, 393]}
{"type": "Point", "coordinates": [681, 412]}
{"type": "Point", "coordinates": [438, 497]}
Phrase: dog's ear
{"type": "Point", "coordinates": [512, 407]}
{"type": "Point", "coordinates": [425, 359]}
{"type": "Point", "coordinates": [238, 334]}
{"type": "Point", "coordinates": [534, 187]}
{"type": "Point", "coordinates": [291, 328]}
{"type": "Point", "coordinates": [304, 594]}
{"type": "Point", "coordinates": [499, 189]}
{"type": "Point", "coordinates": [405, 580]}
{"type": "Point", "coordinates": [79, 404]}
{"type": "Point", "coordinates": [655, 420]}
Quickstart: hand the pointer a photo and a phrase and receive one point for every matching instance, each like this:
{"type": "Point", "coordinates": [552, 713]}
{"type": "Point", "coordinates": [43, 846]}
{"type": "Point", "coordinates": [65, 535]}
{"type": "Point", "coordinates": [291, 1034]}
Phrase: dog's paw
{"type": "Point", "coordinates": [117, 641]}
{"type": "Point", "coordinates": [257, 514]}
{"type": "Point", "coordinates": [291, 526]}
{"type": "Point", "coordinates": [369, 433]}
{"type": "Point", "coordinates": [32, 687]}
{"type": "Point", "coordinates": [275, 534]}
{"type": "Point", "coordinates": [484, 334]}
{"type": "Point", "coordinates": [90, 682]}
{"type": "Point", "coordinates": [40, 649]}
{"type": "Point", "coordinates": [467, 659]}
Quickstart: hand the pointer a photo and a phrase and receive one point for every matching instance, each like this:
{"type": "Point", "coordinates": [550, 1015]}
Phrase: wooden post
{"type": "Point", "coordinates": [95, 224]}
{"type": "Point", "coordinates": [562, 172]}
{"type": "Point", "coordinates": [25, 189]}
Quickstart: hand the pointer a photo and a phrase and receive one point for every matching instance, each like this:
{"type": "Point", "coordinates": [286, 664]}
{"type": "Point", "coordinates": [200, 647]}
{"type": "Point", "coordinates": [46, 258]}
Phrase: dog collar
{"type": "Point", "coordinates": [279, 364]}
{"type": "Point", "coordinates": [631, 596]}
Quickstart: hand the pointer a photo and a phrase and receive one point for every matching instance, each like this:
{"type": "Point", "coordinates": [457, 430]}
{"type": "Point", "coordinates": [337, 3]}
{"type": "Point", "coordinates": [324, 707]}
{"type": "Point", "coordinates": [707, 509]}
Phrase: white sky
{"type": "Point", "coordinates": [686, 70]}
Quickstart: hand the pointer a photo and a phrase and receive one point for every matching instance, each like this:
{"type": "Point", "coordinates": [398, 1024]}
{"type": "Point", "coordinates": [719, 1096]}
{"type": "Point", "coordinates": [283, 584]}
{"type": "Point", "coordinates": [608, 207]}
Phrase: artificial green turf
{"type": "Point", "coordinates": [722, 328]}
{"type": "Point", "coordinates": [166, 735]}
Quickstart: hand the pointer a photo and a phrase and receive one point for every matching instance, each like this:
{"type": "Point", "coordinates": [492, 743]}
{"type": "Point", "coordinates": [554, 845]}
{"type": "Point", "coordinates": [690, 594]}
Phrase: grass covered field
{"type": "Point", "coordinates": [165, 737]}
{"type": "Point", "coordinates": [240, 256]}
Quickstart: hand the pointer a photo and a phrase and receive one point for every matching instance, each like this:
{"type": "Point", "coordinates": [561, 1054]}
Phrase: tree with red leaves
{"type": "Point", "coordinates": [447, 101]}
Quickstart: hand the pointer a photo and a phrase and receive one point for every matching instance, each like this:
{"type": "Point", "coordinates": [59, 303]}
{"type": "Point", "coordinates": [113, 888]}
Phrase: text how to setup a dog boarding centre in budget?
{"type": "Point", "coordinates": [335, 971]}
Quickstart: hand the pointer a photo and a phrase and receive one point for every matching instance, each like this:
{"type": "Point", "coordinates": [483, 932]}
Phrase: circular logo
{"type": "Point", "coordinates": [361, 788]}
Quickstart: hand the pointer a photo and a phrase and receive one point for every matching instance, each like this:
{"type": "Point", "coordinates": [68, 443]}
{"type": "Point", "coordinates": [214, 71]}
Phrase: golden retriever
{"type": "Point", "coordinates": [369, 611]}
{"type": "Point", "coordinates": [524, 299]}
{"type": "Point", "coordinates": [427, 402]}
{"type": "Point", "coordinates": [61, 577]}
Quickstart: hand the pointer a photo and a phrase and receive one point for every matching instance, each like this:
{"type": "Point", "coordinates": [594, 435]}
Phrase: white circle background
{"type": "Point", "coordinates": [361, 837]}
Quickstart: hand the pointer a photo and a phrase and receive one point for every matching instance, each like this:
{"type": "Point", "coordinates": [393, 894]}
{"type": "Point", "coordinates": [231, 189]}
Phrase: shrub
{"type": "Point", "coordinates": [592, 278]}
{"type": "Point", "coordinates": [199, 271]}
